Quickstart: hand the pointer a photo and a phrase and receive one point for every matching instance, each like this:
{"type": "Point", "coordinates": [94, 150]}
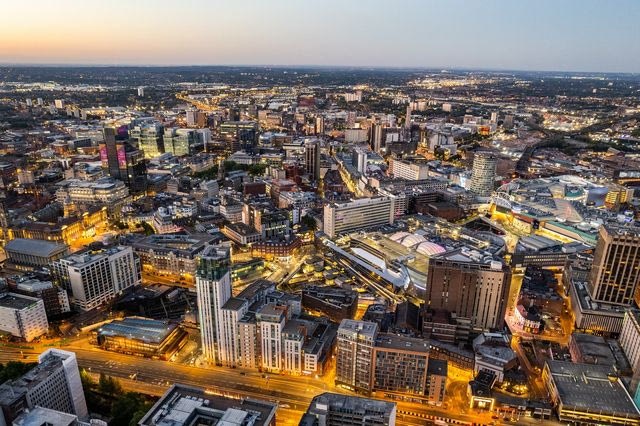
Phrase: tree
{"type": "Point", "coordinates": [309, 222]}
{"type": "Point", "coordinates": [126, 408]}
{"type": "Point", "coordinates": [147, 229]}
{"type": "Point", "coordinates": [108, 385]}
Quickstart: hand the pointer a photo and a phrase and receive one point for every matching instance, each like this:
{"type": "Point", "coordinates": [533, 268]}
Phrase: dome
{"type": "Point", "coordinates": [412, 240]}
{"type": "Point", "coordinates": [430, 249]}
{"type": "Point", "coordinates": [398, 236]}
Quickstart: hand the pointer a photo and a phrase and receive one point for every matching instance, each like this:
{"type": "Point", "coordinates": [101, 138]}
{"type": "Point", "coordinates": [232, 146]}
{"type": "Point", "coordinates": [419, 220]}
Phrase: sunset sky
{"type": "Point", "coordinates": [572, 35]}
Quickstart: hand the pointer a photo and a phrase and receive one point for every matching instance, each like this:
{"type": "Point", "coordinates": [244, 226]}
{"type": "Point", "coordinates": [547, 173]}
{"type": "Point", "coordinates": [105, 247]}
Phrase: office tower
{"type": "Point", "coordinates": [615, 272]}
{"type": "Point", "coordinates": [29, 102]}
{"type": "Point", "coordinates": [240, 135]}
{"type": "Point", "coordinates": [141, 91]}
{"type": "Point", "coordinates": [213, 289]}
{"type": "Point", "coordinates": [149, 139]}
{"type": "Point", "coordinates": [23, 316]}
{"type": "Point", "coordinates": [494, 117]}
{"type": "Point", "coordinates": [332, 409]}
{"type": "Point", "coordinates": [358, 214]}
{"type": "Point", "coordinates": [410, 170]}
{"type": "Point", "coordinates": [376, 142]}
{"type": "Point", "coordinates": [54, 384]}
{"type": "Point", "coordinates": [192, 118]}
{"type": "Point", "coordinates": [407, 117]}
{"type": "Point", "coordinates": [312, 158]}
{"type": "Point", "coordinates": [271, 321]}
{"type": "Point", "coordinates": [59, 103]}
{"type": "Point", "coordinates": [179, 141]}
{"type": "Point", "coordinates": [319, 125]}
{"type": "Point", "coordinates": [483, 174]}
{"type": "Point", "coordinates": [354, 354]}
{"type": "Point", "coordinates": [96, 277]}
{"type": "Point", "coordinates": [400, 364]}
{"type": "Point", "coordinates": [40, 101]}
{"type": "Point", "coordinates": [474, 291]}
{"type": "Point", "coordinates": [124, 162]}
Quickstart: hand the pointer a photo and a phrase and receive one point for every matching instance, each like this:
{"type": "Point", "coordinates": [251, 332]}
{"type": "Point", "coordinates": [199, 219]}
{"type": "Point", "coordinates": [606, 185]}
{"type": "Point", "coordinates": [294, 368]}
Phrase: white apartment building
{"type": "Point", "coordinates": [358, 214]}
{"type": "Point", "coordinates": [229, 340]}
{"type": "Point", "coordinates": [409, 170]}
{"type": "Point", "coordinates": [271, 321]}
{"type": "Point", "coordinates": [22, 316]}
{"type": "Point", "coordinates": [95, 278]}
{"type": "Point", "coordinates": [213, 288]}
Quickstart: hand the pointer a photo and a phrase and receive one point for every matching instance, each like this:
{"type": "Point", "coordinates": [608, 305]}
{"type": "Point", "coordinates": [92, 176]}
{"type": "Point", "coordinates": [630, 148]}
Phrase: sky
{"type": "Point", "coordinates": [558, 35]}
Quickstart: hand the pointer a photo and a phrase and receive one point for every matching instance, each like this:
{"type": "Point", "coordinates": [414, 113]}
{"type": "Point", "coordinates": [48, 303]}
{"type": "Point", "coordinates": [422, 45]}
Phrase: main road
{"type": "Point", "coordinates": [293, 394]}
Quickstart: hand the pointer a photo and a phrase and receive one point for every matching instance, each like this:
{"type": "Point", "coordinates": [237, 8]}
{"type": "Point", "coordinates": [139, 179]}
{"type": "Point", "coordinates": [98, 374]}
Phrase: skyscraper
{"type": "Point", "coordinates": [150, 139]}
{"type": "Point", "coordinates": [213, 289]}
{"type": "Point", "coordinates": [312, 158]}
{"type": "Point", "coordinates": [123, 162]}
{"type": "Point", "coordinates": [407, 118]}
{"type": "Point", "coordinates": [483, 174]}
{"type": "Point", "coordinates": [376, 141]}
{"type": "Point", "coordinates": [615, 273]}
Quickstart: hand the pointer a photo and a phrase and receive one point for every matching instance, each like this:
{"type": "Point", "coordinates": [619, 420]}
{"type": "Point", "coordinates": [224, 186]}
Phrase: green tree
{"type": "Point", "coordinates": [125, 409]}
{"type": "Point", "coordinates": [309, 222]}
{"type": "Point", "coordinates": [108, 385]}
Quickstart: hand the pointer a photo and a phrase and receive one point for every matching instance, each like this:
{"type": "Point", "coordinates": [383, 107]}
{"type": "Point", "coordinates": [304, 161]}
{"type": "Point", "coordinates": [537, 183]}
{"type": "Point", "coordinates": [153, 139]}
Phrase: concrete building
{"type": "Point", "coordinates": [483, 174]}
{"type": "Point", "coordinates": [54, 384]}
{"type": "Point", "coordinates": [589, 394]}
{"type": "Point", "coordinates": [271, 322]}
{"type": "Point", "coordinates": [312, 158]}
{"type": "Point", "coordinates": [22, 316]}
{"type": "Point", "coordinates": [184, 405]}
{"type": "Point", "coordinates": [105, 190]}
{"type": "Point", "coordinates": [472, 290]}
{"type": "Point", "coordinates": [410, 170]}
{"type": "Point", "coordinates": [615, 273]}
{"type": "Point", "coordinates": [355, 354]}
{"type": "Point", "coordinates": [96, 277]}
{"type": "Point", "coordinates": [27, 253]}
{"type": "Point", "coordinates": [400, 365]}
{"type": "Point", "coordinates": [340, 218]}
{"type": "Point", "coordinates": [331, 409]}
{"type": "Point", "coordinates": [213, 288]}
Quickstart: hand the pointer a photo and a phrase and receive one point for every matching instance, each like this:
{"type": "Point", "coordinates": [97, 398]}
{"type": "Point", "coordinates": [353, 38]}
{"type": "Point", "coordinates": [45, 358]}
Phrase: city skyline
{"type": "Point", "coordinates": [571, 37]}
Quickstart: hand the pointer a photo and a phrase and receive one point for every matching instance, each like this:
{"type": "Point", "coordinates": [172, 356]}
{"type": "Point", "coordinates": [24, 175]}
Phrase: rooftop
{"type": "Point", "coordinates": [143, 329]}
{"type": "Point", "coordinates": [40, 248]}
{"type": "Point", "coordinates": [588, 387]}
{"type": "Point", "coordinates": [16, 301]}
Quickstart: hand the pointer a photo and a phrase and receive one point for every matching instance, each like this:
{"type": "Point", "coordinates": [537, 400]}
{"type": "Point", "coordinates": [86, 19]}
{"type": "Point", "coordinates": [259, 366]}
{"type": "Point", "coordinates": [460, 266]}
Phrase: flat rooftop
{"type": "Point", "coordinates": [590, 387]}
{"type": "Point", "coordinates": [143, 329]}
{"type": "Point", "coordinates": [186, 405]}
{"type": "Point", "coordinates": [16, 301]}
{"type": "Point", "coordinates": [358, 327]}
{"type": "Point", "coordinates": [392, 341]}
{"type": "Point", "coordinates": [41, 248]}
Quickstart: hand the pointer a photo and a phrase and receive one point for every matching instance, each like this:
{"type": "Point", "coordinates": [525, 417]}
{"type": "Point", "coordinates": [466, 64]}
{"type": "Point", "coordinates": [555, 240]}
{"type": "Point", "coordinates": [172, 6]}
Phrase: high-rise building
{"type": "Point", "coordinates": [229, 342]}
{"type": "Point", "coordinates": [615, 273]}
{"type": "Point", "coordinates": [410, 170]}
{"type": "Point", "coordinates": [476, 292]}
{"type": "Point", "coordinates": [180, 142]}
{"type": "Point", "coordinates": [240, 135]}
{"type": "Point", "coordinates": [54, 383]}
{"type": "Point", "coordinates": [23, 316]}
{"type": "Point", "coordinates": [319, 125]}
{"type": "Point", "coordinates": [376, 140]}
{"type": "Point", "coordinates": [357, 214]}
{"type": "Point", "coordinates": [149, 138]}
{"type": "Point", "coordinates": [407, 117]}
{"type": "Point", "coordinates": [312, 158]}
{"type": "Point", "coordinates": [96, 277]}
{"type": "Point", "coordinates": [483, 174]}
{"type": "Point", "coordinates": [123, 162]}
{"type": "Point", "coordinates": [354, 354]}
{"type": "Point", "coordinates": [213, 289]}
{"type": "Point", "coordinates": [271, 321]}
{"type": "Point", "coordinates": [332, 409]}
{"type": "Point", "coordinates": [141, 91]}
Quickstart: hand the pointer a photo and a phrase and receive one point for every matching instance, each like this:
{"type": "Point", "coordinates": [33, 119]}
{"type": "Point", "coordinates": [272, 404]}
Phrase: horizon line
{"type": "Point", "coordinates": [311, 66]}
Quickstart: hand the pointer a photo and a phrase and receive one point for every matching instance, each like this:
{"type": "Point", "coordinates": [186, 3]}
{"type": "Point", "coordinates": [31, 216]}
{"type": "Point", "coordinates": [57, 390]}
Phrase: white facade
{"type": "Point", "coordinates": [270, 324]}
{"type": "Point", "coordinates": [96, 278]}
{"type": "Point", "coordinates": [630, 339]}
{"type": "Point", "coordinates": [69, 380]}
{"type": "Point", "coordinates": [23, 316]}
{"type": "Point", "coordinates": [104, 190]}
{"type": "Point", "coordinates": [229, 338]}
{"type": "Point", "coordinates": [213, 288]}
{"type": "Point", "coordinates": [358, 214]}
{"type": "Point", "coordinates": [483, 174]}
{"type": "Point", "coordinates": [408, 170]}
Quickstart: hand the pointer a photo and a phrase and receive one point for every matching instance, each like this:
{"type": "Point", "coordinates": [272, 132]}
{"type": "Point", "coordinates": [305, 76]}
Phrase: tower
{"type": "Point", "coordinates": [615, 272]}
{"type": "Point", "coordinates": [312, 158]}
{"type": "Point", "coordinates": [407, 118]}
{"type": "Point", "coordinates": [213, 289]}
{"type": "Point", "coordinates": [483, 174]}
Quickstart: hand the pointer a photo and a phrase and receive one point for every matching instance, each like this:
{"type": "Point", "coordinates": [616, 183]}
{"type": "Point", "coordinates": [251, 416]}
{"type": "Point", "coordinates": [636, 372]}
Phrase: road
{"type": "Point", "coordinates": [155, 376]}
